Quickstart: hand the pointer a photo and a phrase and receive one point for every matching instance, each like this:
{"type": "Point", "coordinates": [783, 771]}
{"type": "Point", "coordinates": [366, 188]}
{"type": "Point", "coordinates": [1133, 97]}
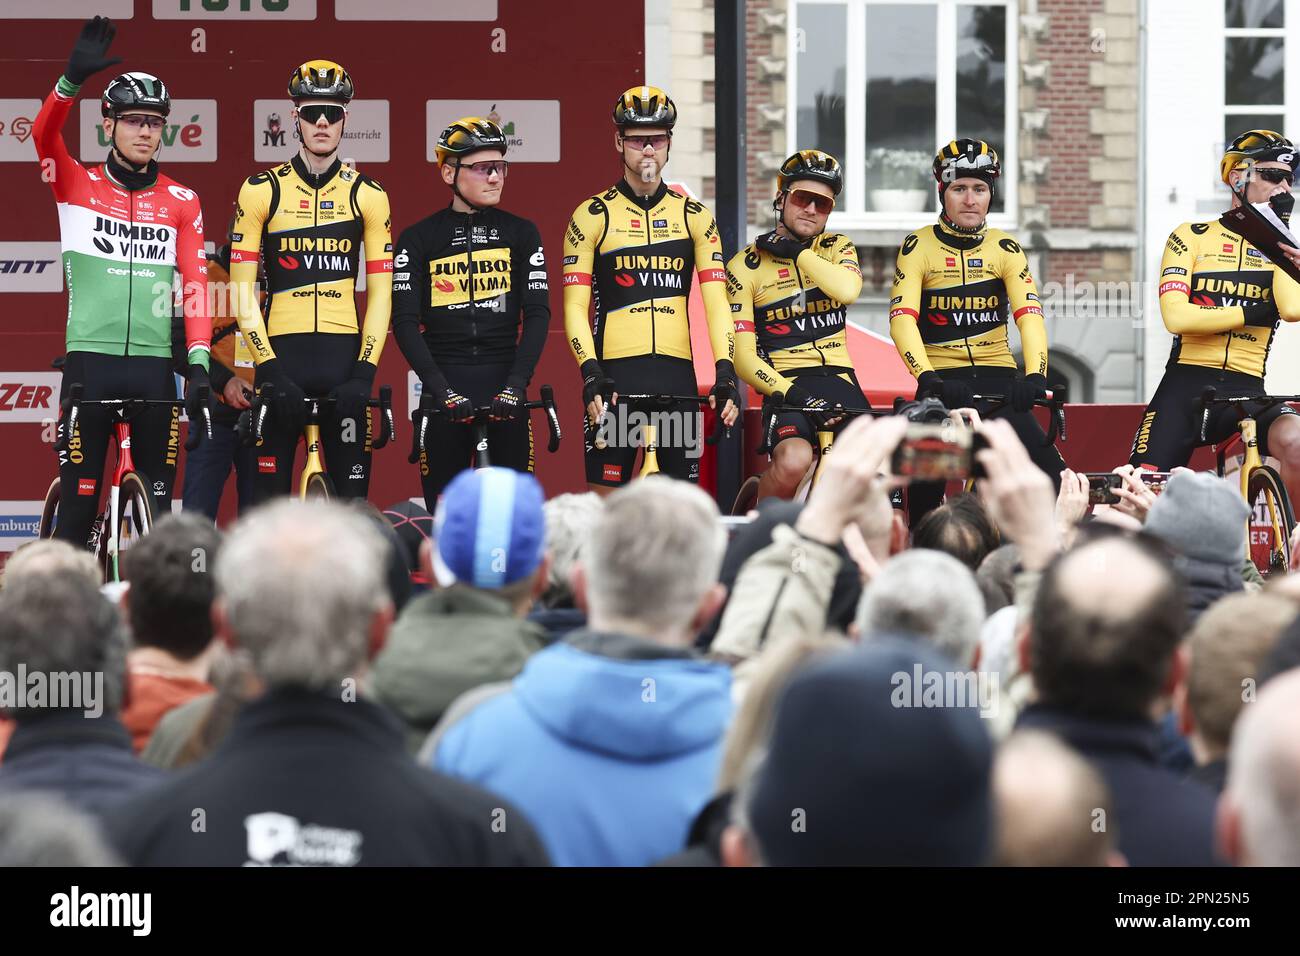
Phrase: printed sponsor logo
{"type": "Point", "coordinates": [1255, 252]}
{"type": "Point", "coordinates": [266, 464]}
{"type": "Point", "coordinates": [1174, 271]}
{"type": "Point", "coordinates": [366, 132]}
{"type": "Point", "coordinates": [537, 275]}
{"type": "Point", "coordinates": [190, 135]}
{"type": "Point", "coordinates": [635, 223]}
{"type": "Point", "coordinates": [975, 263]}
{"type": "Point", "coordinates": [783, 273]}
{"type": "Point", "coordinates": [950, 262]}
{"type": "Point", "coordinates": [537, 259]}
{"type": "Point", "coordinates": [240, 10]}
{"type": "Point", "coordinates": [16, 119]}
{"type": "Point", "coordinates": [570, 260]}
{"type": "Point", "coordinates": [532, 127]}
{"type": "Point", "coordinates": [1228, 247]}
{"type": "Point", "coordinates": [1172, 286]}
{"type": "Point", "coordinates": [785, 431]}
{"type": "Point", "coordinates": [403, 10]}
{"type": "Point", "coordinates": [31, 267]}
{"type": "Point", "coordinates": [86, 486]}
{"type": "Point", "coordinates": [19, 522]}
{"type": "Point", "coordinates": [29, 396]}
{"type": "Point", "coordinates": [612, 472]}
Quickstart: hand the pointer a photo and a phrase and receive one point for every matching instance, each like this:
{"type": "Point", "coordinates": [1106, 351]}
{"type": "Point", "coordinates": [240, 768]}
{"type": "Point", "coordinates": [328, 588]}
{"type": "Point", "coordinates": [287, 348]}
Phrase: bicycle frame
{"type": "Point", "coordinates": [313, 464]}
{"type": "Point", "coordinates": [125, 464]}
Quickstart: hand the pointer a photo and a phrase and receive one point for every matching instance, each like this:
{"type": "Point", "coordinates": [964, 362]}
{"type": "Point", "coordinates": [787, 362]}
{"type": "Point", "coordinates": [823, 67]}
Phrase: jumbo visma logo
{"type": "Point", "coordinates": [113, 237]}
{"type": "Point", "coordinates": [450, 278]}
{"type": "Point", "coordinates": [324, 253]}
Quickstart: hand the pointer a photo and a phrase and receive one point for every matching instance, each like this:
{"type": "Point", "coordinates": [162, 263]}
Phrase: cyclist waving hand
{"type": "Point", "coordinates": [127, 232]}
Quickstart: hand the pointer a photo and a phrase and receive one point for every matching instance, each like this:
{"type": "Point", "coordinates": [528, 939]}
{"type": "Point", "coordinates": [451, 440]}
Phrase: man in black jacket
{"type": "Point", "coordinates": [467, 274]}
{"type": "Point", "coordinates": [311, 773]}
{"type": "Point", "coordinates": [62, 674]}
{"type": "Point", "coordinates": [1103, 648]}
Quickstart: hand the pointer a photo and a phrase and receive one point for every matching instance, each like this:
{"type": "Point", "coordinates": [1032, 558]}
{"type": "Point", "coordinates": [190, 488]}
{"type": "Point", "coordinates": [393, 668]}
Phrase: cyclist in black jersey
{"type": "Point", "coordinates": [466, 275]}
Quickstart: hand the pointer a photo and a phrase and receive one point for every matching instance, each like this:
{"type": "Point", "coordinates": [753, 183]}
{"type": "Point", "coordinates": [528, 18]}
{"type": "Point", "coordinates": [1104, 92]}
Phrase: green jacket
{"type": "Point", "coordinates": [444, 643]}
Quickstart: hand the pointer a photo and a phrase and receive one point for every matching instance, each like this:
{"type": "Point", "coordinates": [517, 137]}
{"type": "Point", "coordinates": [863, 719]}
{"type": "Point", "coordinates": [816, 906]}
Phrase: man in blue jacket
{"type": "Point", "coordinates": [610, 740]}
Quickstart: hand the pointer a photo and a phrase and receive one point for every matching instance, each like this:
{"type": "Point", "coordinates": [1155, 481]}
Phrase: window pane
{"type": "Point", "coordinates": [900, 65]}
{"type": "Point", "coordinates": [1254, 14]}
{"type": "Point", "coordinates": [1252, 70]}
{"type": "Point", "coordinates": [820, 63]}
{"type": "Point", "coordinates": [982, 78]}
{"type": "Point", "coordinates": [1234, 124]}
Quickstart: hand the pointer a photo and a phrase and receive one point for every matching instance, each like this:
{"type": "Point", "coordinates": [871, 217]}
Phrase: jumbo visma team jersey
{"type": "Point", "coordinates": [309, 231]}
{"type": "Point", "coordinates": [122, 251]}
{"type": "Point", "coordinates": [1207, 275]}
{"type": "Point", "coordinates": [634, 258]}
{"type": "Point", "coordinates": [953, 297]}
{"type": "Point", "coordinates": [790, 314]}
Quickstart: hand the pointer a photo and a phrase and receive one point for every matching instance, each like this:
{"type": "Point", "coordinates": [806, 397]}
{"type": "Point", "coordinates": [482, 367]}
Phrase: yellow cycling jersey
{"type": "Point", "coordinates": [309, 231]}
{"type": "Point", "coordinates": [1222, 299]}
{"type": "Point", "coordinates": [634, 258]}
{"type": "Point", "coordinates": [952, 297]}
{"type": "Point", "coordinates": [790, 314]}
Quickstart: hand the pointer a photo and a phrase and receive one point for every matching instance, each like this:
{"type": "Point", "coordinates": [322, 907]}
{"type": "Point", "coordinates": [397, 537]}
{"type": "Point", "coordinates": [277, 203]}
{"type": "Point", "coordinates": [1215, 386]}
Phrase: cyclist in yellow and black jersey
{"type": "Point", "coordinates": [790, 292]}
{"type": "Point", "coordinates": [957, 287]}
{"type": "Point", "coordinates": [633, 250]}
{"type": "Point", "coordinates": [1222, 300]}
{"type": "Point", "coordinates": [308, 219]}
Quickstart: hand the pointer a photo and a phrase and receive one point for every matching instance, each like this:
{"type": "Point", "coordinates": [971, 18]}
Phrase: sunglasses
{"type": "Point", "coordinates": [802, 199]}
{"type": "Point", "coordinates": [313, 112]}
{"type": "Point", "coordinates": [639, 143]}
{"type": "Point", "coordinates": [486, 168]}
{"type": "Point", "coordinates": [1276, 175]}
{"type": "Point", "coordinates": [137, 121]}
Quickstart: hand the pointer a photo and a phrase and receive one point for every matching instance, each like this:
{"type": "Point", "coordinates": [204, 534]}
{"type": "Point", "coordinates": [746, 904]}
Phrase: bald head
{"type": "Point", "coordinates": [1259, 818]}
{"type": "Point", "coordinates": [1053, 808]}
{"type": "Point", "coordinates": [1105, 626]}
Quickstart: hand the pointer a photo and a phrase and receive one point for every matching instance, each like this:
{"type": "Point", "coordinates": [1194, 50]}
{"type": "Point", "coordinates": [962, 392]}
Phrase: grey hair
{"type": "Point", "coordinates": [300, 582]}
{"type": "Point", "coordinates": [654, 553]}
{"type": "Point", "coordinates": [40, 829]}
{"type": "Point", "coordinates": [51, 555]}
{"type": "Point", "coordinates": [927, 594]}
{"type": "Point", "coordinates": [569, 521]}
{"type": "Point", "coordinates": [1264, 773]}
{"type": "Point", "coordinates": [52, 622]}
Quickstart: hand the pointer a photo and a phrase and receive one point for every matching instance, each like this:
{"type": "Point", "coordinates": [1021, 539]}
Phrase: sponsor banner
{"type": "Point", "coordinates": [234, 9]}
{"type": "Point", "coordinates": [67, 9]}
{"type": "Point", "coordinates": [532, 127]}
{"type": "Point", "coordinates": [16, 119]}
{"type": "Point", "coordinates": [18, 523]}
{"type": "Point", "coordinates": [190, 135]}
{"type": "Point", "coordinates": [365, 134]}
{"type": "Point", "coordinates": [29, 396]}
{"type": "Point", "coordinates": [31, 267]}
{"type": "Point", "coordinates": [415, 10]}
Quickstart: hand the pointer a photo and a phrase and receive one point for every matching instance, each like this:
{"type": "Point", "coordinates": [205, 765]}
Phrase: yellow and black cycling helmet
{"type": "Point", "coordinates": [1257, 146]}
{"type": "Point", "coordinates": [645, 106]}
{"type": "Point", "coordinates": [811, 164]}
{"type": "Point", "coordinates": [468, 134]}
{"type": "Point", "coordinates": [320, 80]}
{"type": "Point", "coordinates": [967, 158]}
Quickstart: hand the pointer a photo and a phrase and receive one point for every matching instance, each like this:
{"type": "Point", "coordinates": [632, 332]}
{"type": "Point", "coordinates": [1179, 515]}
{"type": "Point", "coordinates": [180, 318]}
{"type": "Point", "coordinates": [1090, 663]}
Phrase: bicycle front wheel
{"type": "Point", "coordinates": [1271, 521]}
{"type": "Point", "coordinates": [50, 512]}
{"type": "Point", "coordinates": [319, 486]}
{"type": "Point", "coordinates": [135, 518]}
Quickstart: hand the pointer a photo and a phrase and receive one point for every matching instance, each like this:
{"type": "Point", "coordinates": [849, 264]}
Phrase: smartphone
{"type": "Point", "coordinates": [1101, 489]}
{"type": "Point", "coordinates": [943, 452]}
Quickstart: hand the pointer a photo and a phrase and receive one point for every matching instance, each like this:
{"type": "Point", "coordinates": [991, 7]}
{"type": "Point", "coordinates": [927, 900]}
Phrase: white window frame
{"type": "Point", "coordinates": [1290, 70]}
{"type": "Point", "coordinates": [854, 215]}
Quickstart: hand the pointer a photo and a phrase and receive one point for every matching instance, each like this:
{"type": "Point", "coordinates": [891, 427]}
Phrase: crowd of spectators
{"type": "Point", "coordinates": [1022, 680]}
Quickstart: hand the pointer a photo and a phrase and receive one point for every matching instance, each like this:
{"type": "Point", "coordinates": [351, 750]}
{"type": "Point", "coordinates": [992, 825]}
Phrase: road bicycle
{"type": "Point", "coordinates": [479, 421]}
{"type": "Point", "coordinates": [128, 515]}
{"type": "Point", "coordinates": [654, 405]}
{"type": "Point", "coordinates": [313, 481]}
{"type": "Point", "coordinates": [1261, 486]}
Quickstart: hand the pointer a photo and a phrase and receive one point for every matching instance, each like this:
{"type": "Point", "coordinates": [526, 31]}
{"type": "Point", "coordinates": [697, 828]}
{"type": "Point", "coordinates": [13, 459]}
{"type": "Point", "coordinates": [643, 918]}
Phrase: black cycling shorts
{"type": "Point", "coordinates": [835, 385]}
{"type": "Point", "coordinates": [1170, 429]}
{"type": "Point", "coordinates": [679, 426]}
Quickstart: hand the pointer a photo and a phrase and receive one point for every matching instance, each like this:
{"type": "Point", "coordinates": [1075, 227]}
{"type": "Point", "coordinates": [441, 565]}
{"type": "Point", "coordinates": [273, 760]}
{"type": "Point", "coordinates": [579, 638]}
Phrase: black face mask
{"type": "Point", "coordinates": [132, 179]}
{"type": "Point", "coordinates": [1282, 204]}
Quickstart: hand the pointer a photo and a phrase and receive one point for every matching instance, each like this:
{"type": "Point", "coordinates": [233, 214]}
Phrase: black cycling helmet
{"type": "Point", "coordinates": [1257, 146]}
{"type": "Point", "coordinates": [468, 134]}
{"type": "Point", "coordinates": [645, 106]}
{"type": "Point", "coordinates": [963, 158]}
{"type": "Point", "coordinates": [320, 80]}
{"type": "Point", "coordinates": [811, 164]}
{"type": "Point", "coordinates": [130, 91]}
